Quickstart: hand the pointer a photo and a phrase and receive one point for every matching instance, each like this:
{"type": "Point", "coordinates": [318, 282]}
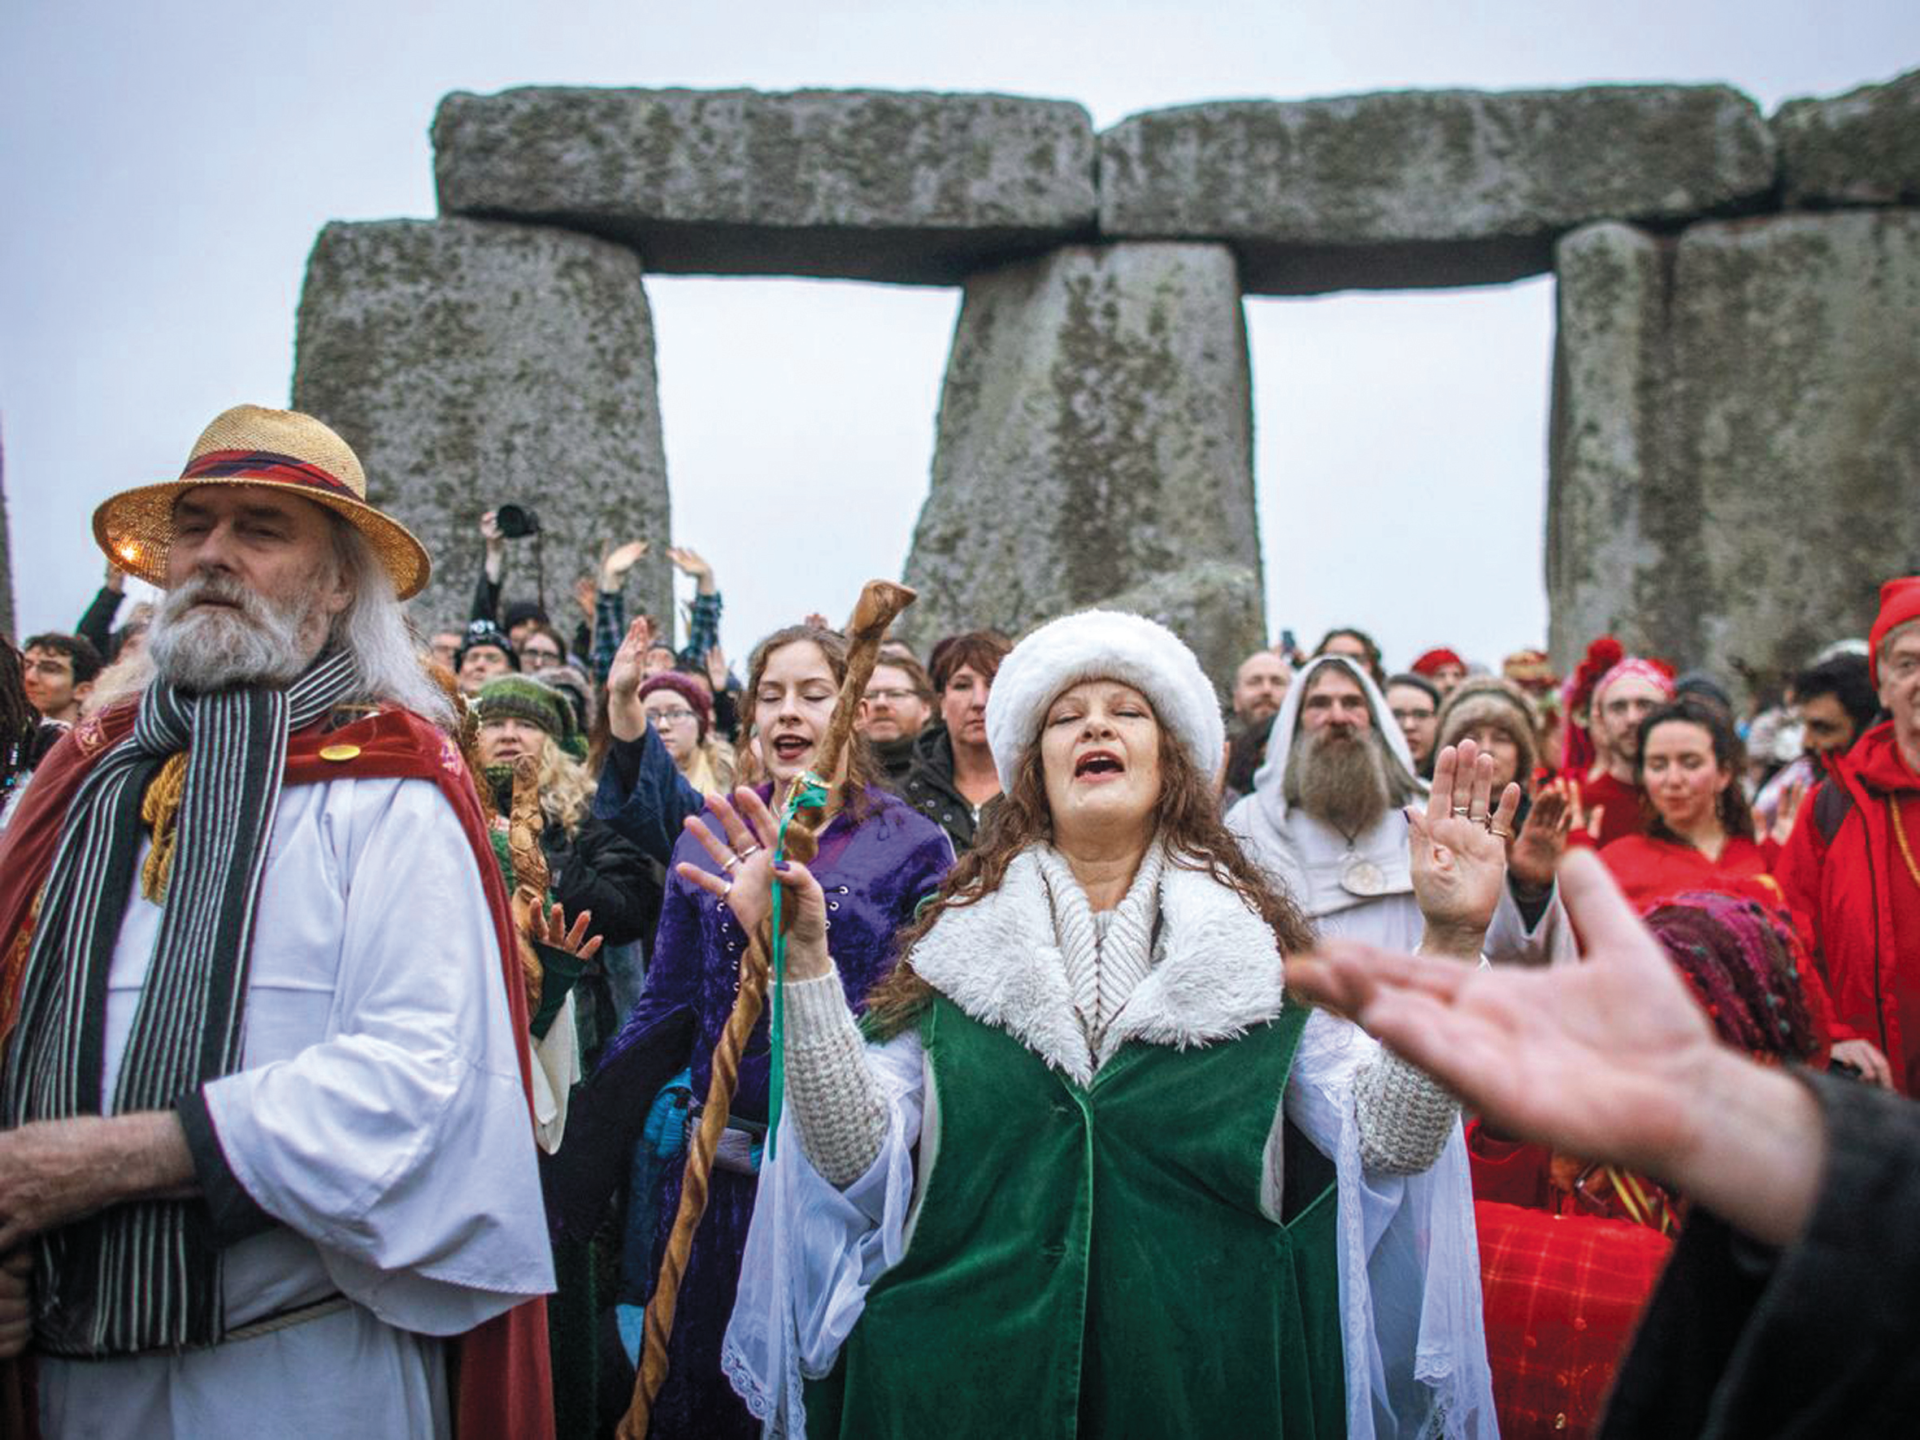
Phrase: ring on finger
{"type": "Point", "coordinates": [728, 891]}
{"type": "Point", "coordinates": [751, 851]}
{"type": "Point", "coordinates": [1462, 810]}
{"type": "Point", "coordinates": [726, 866]}
{"type": "Point", "coordinates": [1493, 829]}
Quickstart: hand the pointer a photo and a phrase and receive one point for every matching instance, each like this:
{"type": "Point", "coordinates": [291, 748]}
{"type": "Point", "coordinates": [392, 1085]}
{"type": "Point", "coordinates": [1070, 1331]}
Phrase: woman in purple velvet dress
{"type": "Point", "coordinates": [877, 860]}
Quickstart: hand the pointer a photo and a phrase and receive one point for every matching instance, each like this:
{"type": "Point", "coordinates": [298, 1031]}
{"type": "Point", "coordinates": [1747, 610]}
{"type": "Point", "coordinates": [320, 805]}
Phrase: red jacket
{"type": "Point", "coordinates": [1843, 869]}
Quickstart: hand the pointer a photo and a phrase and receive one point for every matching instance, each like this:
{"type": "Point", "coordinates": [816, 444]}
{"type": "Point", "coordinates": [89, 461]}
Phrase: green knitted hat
{"type": "Point", "coordinates": [521, 697]}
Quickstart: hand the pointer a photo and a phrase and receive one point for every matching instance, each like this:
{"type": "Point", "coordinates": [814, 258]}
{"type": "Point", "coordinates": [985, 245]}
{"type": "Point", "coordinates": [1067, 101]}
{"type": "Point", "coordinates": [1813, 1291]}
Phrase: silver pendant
{"type": "Point", "coordinates": [1363, 877]}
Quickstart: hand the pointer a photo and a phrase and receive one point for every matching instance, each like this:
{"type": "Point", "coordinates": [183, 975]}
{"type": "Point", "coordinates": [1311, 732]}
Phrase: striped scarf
{"type": "Point", "coordinates": [146, 1276]}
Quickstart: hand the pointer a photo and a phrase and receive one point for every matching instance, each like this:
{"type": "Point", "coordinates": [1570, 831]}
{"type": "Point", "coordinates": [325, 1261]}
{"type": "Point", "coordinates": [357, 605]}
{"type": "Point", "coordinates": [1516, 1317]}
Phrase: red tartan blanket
{"type": "Point", "coordinates": [1563, 1294]}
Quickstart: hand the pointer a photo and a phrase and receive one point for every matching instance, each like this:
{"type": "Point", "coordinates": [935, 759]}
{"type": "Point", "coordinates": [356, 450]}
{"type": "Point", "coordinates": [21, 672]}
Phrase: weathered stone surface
{"type": "Point", "coordinates": [1427, 188]}
{"type": "Point", "coordinates": [861, 184]}
{"type": "Point", "coordinates": [472, 363]}
{"type": "Point", "coordinates": [1216, 608]}
{"type": "Point", "coordinates": [1772, 473]}
{"type": "Point", "coordinates": [1861, 148]}
{"type": "Point", "coordinates": [1094, 435]}
{"type": "Point", "coordinates": [1608, 496]}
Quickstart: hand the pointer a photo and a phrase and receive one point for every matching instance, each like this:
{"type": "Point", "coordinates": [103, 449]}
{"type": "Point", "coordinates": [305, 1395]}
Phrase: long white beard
{"type": "Point", "coordinates": [199, 648]}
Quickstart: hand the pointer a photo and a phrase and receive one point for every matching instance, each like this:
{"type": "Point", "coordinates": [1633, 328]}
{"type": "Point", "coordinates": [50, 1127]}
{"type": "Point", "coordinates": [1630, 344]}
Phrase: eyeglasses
{"type": "Point", "coordinates": [668, 717]}
{"type": "Point", "coordinates": [892, 697]}
{"type": "Point", "coordinates": [551, 657]}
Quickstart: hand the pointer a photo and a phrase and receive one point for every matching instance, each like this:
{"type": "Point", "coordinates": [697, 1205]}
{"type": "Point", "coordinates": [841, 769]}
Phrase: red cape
{"type": "Point", "coordinates": [501, 1371]}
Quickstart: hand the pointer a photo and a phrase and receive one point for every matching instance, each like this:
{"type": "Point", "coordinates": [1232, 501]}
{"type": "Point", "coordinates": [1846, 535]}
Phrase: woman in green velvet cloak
{"type": "Point", "coordinates": [1096, 1174]}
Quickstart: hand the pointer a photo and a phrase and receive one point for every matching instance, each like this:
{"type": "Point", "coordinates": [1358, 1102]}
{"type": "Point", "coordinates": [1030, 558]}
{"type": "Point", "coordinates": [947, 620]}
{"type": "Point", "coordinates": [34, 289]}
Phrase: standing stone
{"type": "Point", "coordinates": [1861, 148]}
{"type": "Point", "coordinates": [1610, 510]}
{"type": "Point", "coordinates": [1760, 479]}
{"type": "Point", "coordinates": [1427, 187]}
{"type": "Point", "coordinates": [472, 364]}
{"type": "Point", "coordinates": [861, 184]}
{"type": "Point", "coordinates": [1095, 435]}
{"type": "Point", "coordinates": [1794, 402]}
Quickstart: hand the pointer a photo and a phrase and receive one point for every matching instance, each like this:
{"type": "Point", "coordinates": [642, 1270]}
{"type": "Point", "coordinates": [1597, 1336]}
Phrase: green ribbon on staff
{"type": "Point", "coordinates": [809, 792]}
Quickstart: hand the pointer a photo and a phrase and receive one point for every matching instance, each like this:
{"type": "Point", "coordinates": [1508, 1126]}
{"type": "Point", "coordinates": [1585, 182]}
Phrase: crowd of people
{"type": "Point", "coordinates": [362, 977]}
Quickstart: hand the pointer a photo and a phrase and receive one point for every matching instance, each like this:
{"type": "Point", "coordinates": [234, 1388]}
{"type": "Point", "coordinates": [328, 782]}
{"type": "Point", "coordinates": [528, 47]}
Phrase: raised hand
{"type": "Point", "coordinates": [619, 560]}
{"type": "Point", "coordinates": [584, 595]}
{"type": "Point", "coordinates": [689, 562]}
{"type": "Point", "coordinates": [743, 848]}
{"type": "Point", "coordinates": [551, 928]}
{"type": "Point", "coordinates": [1584, 822]}
{"type": "Point", "coordinates": [717, 669]}
{"type": "Point", "coordinates": [1459, 850]}
{"type": "Point", "coordinates": [490, 529]}
{"type": "Point", "coordinates": [1542, 840]}
{"type": "Point", "coordinates": [816, 620]}
{"type": "Point", "coordinates": [624, 716]}
{"type": "Point", "coordinates": [1786, 813]}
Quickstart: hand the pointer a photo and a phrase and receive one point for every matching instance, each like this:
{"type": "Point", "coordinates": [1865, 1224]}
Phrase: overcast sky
{"type": "Point", "coordinates": [166, 168]}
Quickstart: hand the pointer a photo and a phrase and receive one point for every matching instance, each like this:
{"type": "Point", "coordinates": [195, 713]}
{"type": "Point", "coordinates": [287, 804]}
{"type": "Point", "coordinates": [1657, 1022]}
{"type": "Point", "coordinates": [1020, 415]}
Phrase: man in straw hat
{"type": "Point", "coordinates": [266, 1129]}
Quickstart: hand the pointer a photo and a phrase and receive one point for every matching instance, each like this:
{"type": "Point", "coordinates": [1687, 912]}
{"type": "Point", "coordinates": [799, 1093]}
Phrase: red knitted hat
{"type": "Point", "coordinates": [1431, 661]}
{"type": "Point", "coordinates": [1899, 603]}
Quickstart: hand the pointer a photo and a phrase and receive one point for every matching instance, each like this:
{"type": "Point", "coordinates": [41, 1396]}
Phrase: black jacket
{"type": "Point", "coordinates": [929, 788]}
{"type": "Point", "coordinates": [1819, 1339]}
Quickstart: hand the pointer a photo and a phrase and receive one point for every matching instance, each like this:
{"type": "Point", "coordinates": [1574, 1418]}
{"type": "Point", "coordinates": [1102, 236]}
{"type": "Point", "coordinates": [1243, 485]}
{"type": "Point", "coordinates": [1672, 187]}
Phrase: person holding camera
{"type": "Point", "coordinates": [497, 527]}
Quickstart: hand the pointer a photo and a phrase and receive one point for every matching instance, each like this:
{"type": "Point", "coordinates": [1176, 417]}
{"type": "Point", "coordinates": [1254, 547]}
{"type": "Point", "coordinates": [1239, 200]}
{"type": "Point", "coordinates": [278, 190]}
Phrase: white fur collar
{"type": "Point", "coordinates": [1216, 972]}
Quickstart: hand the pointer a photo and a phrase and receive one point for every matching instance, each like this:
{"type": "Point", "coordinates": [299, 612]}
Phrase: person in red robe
{"type": "Point", "coordinates": [1700, 836]}
{"type": "Point", "coordinates": [1852, 863]}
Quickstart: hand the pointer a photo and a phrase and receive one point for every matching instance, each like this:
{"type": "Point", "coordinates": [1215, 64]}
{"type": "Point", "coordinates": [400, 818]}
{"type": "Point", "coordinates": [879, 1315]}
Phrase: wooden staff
{"type": "Point", "coordinates": [881, 601]}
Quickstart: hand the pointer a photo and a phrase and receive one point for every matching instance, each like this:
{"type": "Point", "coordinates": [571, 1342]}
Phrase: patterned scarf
{"type": "Point", "coordinates": [146, 1276]}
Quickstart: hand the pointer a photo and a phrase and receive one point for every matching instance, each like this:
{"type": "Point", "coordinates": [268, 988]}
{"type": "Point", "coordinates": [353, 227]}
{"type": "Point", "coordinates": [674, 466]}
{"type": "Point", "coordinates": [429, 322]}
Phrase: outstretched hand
{"type": "Point", "coordinates": [550, 928]}
{"type": "Point", "coordinates": [624, 716]}
{"type": "Point", "coordinates": [743, 849]}
{"type": "Point", "coordinates": [619, 560]}
{"type": "Point", "coordinates": [1542, 840]}
{"type": "Point", "coordinates": [1459, 850]}
{"type": "Point", "coordinates": [1591, 1058]}
{"type": "Point", "coordinates": [1611, 1059]}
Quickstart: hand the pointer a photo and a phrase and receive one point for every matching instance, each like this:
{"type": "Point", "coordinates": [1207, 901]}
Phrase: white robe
{"type": "Point", "coordinates": [379, 1116]}
{"type": "Point", "coordinates": [1309, 858]}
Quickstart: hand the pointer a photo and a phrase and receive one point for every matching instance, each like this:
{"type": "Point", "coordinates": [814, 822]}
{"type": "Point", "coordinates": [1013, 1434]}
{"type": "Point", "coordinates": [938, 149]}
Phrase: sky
{"type": "Point", "coordinates": [166, 168]}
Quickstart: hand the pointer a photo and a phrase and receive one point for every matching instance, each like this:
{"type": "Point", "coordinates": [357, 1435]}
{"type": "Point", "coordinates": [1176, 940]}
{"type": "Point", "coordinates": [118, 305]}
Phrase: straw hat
{"type": "Point", "coordinates": [251, 445]}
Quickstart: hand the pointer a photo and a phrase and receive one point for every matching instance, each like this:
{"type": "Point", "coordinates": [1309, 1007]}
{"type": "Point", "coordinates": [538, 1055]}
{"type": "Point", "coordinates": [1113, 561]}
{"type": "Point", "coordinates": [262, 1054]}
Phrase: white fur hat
{"type": "Point", "coordinates": [1102, 645]}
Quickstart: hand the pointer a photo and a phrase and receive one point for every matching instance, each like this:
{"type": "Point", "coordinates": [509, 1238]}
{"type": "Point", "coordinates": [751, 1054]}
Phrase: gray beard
{"type": "Point", "coordinates": [200, 649]}
{"type": "Point", "coordinates": [1342, 782]}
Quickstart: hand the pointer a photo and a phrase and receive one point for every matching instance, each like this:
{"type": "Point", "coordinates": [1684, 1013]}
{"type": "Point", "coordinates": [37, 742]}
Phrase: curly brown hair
{"type": "Point", "coordinates": [1190, 828]}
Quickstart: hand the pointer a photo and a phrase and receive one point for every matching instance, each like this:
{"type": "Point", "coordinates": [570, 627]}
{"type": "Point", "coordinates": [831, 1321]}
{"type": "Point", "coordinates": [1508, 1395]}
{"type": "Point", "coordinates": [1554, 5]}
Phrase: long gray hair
{"type": "Point", "coordinates": [373, 628]}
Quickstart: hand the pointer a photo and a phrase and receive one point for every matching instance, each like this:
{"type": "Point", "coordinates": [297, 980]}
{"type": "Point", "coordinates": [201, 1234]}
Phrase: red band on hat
{"type": "Point", "coordinates": [263, 465]}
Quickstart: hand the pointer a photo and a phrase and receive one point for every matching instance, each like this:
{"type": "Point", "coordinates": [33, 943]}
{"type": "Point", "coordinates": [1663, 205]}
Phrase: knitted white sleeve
{"type": "Point", "coordinates": [1405, 1116]}
{"type": "Point", "coordinates": [838, 1105]}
